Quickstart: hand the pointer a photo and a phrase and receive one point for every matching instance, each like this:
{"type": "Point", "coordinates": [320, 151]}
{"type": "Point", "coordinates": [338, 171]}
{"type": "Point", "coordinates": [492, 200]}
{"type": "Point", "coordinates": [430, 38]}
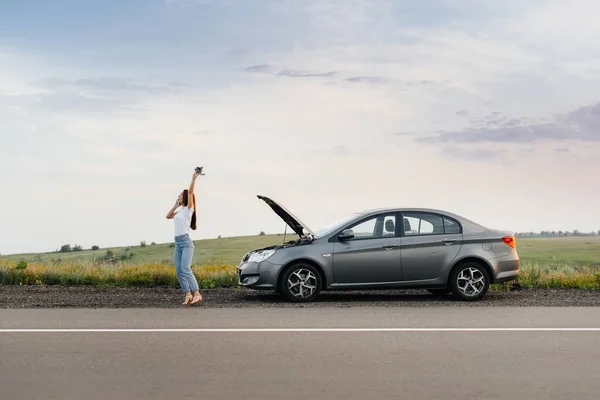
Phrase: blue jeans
{"type": "Point", "coordinates": [184, 250]}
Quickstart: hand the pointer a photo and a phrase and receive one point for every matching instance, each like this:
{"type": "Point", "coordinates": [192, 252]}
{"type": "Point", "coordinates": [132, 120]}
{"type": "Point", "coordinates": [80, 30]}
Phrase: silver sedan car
{"type": "Point", "coordinates": [400, 248]}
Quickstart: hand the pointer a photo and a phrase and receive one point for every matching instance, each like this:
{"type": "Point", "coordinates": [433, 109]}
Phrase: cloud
{"type": "Point", "coordinates": [238, 52]}
{"type": "Point", "coordinates": [68, 102]}
{"type": "Point", "coordinates": [371, 80]}
{"type": "Point", "coordinates": [340, 150]}
{"type": "Point", "coordinates": [290, 73]}
{"type": "Point", "coordinates": [101, 96]}
{"type": "Point", "coordinates": [472, 154]}
{"type": "Point", "coordinates": [562, 150]}
{"type": "Point", "coordinates": [357, 79]}
{"type": "Point", "coordinates": [105, 84]}
{"type": "Point", "coordinates": [462, 113]}
{"type": "Point", "coordinates": [406, 133]}
{"type": "Point", "coordinates": [204, 132]}
{"type": "Point", "coordinates": [582, 124]}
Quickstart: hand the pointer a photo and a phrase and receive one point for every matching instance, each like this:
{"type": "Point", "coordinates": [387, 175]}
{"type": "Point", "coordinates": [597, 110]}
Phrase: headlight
{"type": "Point", "coordinates": [261, 256]}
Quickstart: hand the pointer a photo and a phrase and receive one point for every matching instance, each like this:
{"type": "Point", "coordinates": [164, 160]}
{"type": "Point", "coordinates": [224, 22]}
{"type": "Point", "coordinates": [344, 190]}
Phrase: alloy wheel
{"type": "Point", "coordinates": [471, 282]}
{"type": "Point", "coordinates": [302, 283]}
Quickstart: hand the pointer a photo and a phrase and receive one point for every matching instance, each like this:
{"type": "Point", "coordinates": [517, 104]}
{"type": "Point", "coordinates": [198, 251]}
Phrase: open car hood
{"type": "Point", "coordinates": [298, 226]}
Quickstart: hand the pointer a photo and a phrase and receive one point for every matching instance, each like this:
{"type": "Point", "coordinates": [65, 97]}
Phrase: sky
{"type": "Point", "coordinates": [486, 109]}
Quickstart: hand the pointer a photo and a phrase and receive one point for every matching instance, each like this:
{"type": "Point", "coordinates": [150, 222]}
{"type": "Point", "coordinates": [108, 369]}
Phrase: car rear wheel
{"type": "Point", "coordinates": [469, 281]}
{"type": "Point", "coordinates": [301, 283]}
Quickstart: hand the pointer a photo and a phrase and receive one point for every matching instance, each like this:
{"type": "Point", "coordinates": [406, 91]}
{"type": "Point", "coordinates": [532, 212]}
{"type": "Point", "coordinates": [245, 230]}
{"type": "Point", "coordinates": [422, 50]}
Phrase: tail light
{"type": "Point", "coordinates": [510, 241]}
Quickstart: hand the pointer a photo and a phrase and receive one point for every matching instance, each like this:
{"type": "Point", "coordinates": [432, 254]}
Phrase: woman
{"type": "Point", "coordinates": [184, 218]}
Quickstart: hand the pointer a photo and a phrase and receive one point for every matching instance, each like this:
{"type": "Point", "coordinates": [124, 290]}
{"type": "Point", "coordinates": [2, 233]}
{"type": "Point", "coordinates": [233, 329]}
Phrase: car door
{"type": "Point", "coordinates": [372, 255]}
{"type": "Point", "coordinates": [430, 242]}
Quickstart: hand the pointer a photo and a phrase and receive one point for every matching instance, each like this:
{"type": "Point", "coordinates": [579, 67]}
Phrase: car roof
{"type": "Point", "coordinates": [463, 221]}
{"type": "Point", "coordinates": [406, 209]}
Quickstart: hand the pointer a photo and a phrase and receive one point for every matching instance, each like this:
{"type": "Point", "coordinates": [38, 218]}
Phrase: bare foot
{"type": "Point", "coordinates": [188, 298]}
{"type": "Point", "coordinates": [197, 298]}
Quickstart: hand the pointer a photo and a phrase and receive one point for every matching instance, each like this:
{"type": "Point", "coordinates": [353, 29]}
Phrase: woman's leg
{"type": "Point", "coordinates": [178, 260]}
{"type": "Point", "coordinates": [186, 267]}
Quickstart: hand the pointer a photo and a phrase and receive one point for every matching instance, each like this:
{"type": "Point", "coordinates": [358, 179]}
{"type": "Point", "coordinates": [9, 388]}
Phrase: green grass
{"type": "Point", "coordinates": [566, 262]}
{"type": "Point", "coordinates": [572, 250]}
{"type": "Point", "coordinates": [111, 274]}
{"type": "Point", "coordinates": [225, 250]}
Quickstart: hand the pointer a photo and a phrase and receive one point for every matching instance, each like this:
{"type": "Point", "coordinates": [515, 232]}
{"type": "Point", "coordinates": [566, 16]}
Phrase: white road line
{"type": "Point", "coordinates": [241, 330]}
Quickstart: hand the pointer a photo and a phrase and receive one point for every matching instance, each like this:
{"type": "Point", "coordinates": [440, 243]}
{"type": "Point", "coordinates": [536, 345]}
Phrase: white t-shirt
{"type": "Point", "coordinates": [182, 220]}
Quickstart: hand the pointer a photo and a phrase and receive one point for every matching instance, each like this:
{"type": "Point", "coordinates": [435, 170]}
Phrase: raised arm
{"type": "Point", "coordinates": [191, 190]}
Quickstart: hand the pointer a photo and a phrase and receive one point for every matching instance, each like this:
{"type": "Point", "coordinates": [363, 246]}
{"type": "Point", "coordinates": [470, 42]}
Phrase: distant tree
{"type": "Point", "coordinates": [262, 233]}
{"type": "Point", "coordinates": [143, 243]}
{"type": "Point", "coordinates": [94, 247]}
{"type": "Point", "coordinates": [65, 248]}
{"type": "Point", "coordinates": [109, 257]}
{"type": "Point", "coordinates": [77, 248]}
{"type": "Point", "coordinates": [576, 232]}
{"type": "Point", "coordinates": [153, 244]}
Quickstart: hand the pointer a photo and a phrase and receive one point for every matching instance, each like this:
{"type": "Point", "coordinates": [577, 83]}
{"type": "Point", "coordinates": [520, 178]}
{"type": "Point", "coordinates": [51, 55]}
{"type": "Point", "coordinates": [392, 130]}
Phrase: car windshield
{"type": "Point", "coordinates": [335, 225]}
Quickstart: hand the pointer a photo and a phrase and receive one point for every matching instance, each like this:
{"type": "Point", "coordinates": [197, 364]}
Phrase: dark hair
{"type": "Point", "coordinates": [185, 203]}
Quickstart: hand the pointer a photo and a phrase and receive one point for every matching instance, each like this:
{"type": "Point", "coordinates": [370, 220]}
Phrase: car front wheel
{"type": "Point", "coordinates": [469, 281]}
{"type": "Point", "coordinates": [301, 283]}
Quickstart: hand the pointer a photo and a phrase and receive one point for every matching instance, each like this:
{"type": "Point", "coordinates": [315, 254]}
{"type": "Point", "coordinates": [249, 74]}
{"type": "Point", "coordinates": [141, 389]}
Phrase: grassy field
{"type": "Point", "coordinates": [209, 251]}
{"type": "Point", "coordinates": [547, 262]}
{"type": "Point", "coordinates": [572, 251]}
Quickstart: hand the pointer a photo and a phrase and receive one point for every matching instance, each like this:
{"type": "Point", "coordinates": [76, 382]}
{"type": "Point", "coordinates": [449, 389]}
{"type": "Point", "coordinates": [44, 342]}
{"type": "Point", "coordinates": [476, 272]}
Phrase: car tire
{"type": "Point", "coordinates": [301, 283]}
{"type": "Point", "coordinates": [439, 292]}
{"type": "Point", "coordinates": [469, 281]}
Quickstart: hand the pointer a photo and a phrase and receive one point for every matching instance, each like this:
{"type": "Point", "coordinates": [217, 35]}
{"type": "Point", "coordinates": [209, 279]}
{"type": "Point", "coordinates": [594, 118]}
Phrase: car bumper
{"type": "Point", "coordinates": [261, 275]}
{"type": "Point", "coordinates": [507, 270]}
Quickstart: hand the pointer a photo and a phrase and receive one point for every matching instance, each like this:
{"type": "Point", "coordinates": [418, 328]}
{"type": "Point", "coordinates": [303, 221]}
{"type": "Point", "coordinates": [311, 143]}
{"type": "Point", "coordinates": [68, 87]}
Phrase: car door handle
{"type": "Point", "coordinates": [448, 242]}
{"type": "Point", "coordinates": [389, 246]}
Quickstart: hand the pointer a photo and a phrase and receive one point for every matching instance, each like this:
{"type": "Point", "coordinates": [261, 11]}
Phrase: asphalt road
{"type": "Point", "coordinates": [235, 362]}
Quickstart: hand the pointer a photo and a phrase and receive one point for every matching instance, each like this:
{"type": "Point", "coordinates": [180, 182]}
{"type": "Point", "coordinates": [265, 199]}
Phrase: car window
{"type": "Point", "coordinates": [451, 226]}
{"type": "Point", "coordinates": [365, 229]}
{"type": "Point", "coordinates": [423, 224]}
{"type": "Point", "coordinates": [376, 227]}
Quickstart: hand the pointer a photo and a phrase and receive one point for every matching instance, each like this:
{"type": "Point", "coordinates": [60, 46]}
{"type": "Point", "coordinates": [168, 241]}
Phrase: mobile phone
{"type": "Point", "coordinates": [199, 170]}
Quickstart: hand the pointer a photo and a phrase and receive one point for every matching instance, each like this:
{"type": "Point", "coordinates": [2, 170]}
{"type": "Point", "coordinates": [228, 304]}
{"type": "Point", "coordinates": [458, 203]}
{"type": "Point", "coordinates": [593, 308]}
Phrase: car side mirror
{"type": "Point", "coordinates": [346, 234]}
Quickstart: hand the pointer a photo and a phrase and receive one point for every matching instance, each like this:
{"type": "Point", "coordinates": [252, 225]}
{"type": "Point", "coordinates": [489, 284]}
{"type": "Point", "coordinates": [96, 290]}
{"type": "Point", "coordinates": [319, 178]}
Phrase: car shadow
{"type": "Point", "coordinates": [372, 298]}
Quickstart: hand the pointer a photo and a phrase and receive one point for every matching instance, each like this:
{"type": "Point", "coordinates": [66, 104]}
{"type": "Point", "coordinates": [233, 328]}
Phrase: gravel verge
{"type": "Point", "coordinates": [138, 297]}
